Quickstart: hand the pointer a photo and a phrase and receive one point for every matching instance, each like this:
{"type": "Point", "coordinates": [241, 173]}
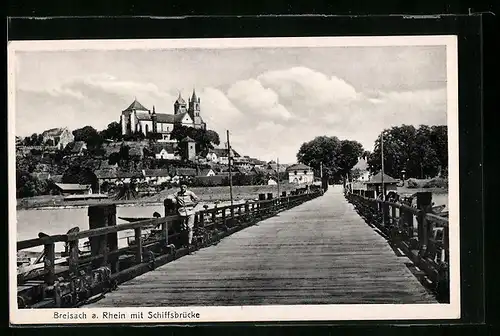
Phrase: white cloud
{"type": "Point", "coordinates": [250, 96]}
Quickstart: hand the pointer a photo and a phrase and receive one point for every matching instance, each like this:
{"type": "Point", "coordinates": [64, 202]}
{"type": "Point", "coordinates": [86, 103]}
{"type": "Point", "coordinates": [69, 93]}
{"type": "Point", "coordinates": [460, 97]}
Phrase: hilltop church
{"type": "Point", "coordinates": [137, 118]}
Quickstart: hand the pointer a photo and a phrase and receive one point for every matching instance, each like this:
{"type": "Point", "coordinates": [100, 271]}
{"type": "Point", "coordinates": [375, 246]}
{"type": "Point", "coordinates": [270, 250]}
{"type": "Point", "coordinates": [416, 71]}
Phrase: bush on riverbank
{"type": "Point", "coordinates": [437, 182]}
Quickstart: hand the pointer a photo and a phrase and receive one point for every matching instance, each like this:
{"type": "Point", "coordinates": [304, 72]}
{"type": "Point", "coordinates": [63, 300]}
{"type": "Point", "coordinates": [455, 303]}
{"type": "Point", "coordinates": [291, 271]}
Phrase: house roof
{"type": "Point", "coordinates": [78, 146]}
{"type": "Point", "coordinates": [204, 172]}
{"type": "Point", "coordinates": [56, 178]}
{"type": "Point", "coordinates": [136, 106]}
{"type": "Point", "coordinates": [54, 131]}
{"type": "Point", "coordinates": [361, 164]}
{"type": "Point", "coordinates": [222, 152]}
{"type": "Point", "coordinates": [187, 139]}
{"type": "Point", "coordinates": [72, 186]}
{"type": "Point", "coordinates": [169, 147]}
{"type": "Point", "coordinates": [377, 179]}
{"type": "Point", "coordinates": [298, 166]}
{"type": "Point", "coordinates": [114, 174]}
{"type": "Point", "coordinates": [185, 171]}
{"type": "Point", "coordinates": [156, 172]}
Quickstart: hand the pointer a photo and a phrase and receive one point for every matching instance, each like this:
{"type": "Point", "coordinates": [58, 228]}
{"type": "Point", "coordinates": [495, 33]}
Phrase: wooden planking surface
{"type": "Point", "coordinates": [320, 252]}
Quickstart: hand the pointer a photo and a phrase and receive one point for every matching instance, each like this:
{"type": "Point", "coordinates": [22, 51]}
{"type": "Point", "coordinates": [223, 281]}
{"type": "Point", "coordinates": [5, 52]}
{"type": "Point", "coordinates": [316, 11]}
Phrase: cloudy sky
{"type": "Point", "coordinates": [272, 100]}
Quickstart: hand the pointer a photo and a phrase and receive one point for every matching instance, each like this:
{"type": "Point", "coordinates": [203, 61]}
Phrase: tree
{"type": "Point", "coordinates": [91, 137]}
{"type": "Point", "coordinates": [80, 175]}
{"type": "Point", "coordinates": [338, 157]}
{"type": "Point", "coordinates": [112, 132]}
{"type": "Point", "coordinates": [204, 139]}
{"type": "Point", "coordinates": [420, 152]}
{"type": "Point", "coordinates": [28, 185]}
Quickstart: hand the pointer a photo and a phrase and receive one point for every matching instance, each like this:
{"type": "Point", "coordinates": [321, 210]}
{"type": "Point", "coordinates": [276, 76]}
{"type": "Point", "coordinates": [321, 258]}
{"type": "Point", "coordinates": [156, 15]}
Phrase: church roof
{"type": "Point", "coordinates": [180, 100]}
{"type": "Point", "coordinates": [136, 106]}
{"type": "Point", "coordinates": [163, 117]}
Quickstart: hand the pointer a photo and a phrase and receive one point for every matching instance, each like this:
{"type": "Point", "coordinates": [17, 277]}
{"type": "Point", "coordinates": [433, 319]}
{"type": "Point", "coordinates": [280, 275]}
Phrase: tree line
{"type": "Point", "coordinates": [415, 152]}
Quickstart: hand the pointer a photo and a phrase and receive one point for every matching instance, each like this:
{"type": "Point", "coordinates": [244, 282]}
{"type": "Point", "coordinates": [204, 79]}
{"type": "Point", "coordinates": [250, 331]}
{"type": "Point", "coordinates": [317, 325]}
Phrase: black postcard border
{"type": "Point", "coordinates": [468, 28]}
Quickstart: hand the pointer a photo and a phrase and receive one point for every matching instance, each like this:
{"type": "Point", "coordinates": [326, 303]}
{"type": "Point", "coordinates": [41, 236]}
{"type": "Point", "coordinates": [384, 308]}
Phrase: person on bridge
{"type": "Point", "coordinates": [186, 201]}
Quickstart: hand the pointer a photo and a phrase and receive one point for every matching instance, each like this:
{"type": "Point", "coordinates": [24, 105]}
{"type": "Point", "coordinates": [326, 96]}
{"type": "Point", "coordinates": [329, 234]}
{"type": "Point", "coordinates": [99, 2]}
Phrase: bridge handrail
{"type": "Point", "coordinates": [102, 256]}
{"type": "Point", "coordinates": [426, 244]}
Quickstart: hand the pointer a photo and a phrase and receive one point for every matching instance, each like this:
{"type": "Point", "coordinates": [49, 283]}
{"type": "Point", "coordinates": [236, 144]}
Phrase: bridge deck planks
{"type": "Point", "coordinates": [320, 252]}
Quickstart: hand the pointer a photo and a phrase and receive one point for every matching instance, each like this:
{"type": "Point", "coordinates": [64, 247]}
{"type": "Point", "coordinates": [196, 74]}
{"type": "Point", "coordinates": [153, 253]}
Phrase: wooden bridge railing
{"type": "Point", "coordinates": [421, 235]}
{"type": "Point", "coordinates": [76, 278]}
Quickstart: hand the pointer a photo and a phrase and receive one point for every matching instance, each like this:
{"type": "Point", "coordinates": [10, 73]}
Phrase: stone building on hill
{"type": "Point", "coordinates": [137, 118]}
{"type": "Point", "coordinates": [59, 137]}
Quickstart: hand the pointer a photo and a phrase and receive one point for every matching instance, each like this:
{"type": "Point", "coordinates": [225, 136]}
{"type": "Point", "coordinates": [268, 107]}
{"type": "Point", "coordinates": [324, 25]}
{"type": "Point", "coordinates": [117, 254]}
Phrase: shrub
{"type": "Point", "coordinates": [436, 183]}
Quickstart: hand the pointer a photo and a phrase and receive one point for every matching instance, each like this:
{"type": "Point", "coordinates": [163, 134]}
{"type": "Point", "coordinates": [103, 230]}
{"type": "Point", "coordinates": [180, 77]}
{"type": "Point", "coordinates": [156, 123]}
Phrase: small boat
{"type": "Point", "coordinates": [438, 209]}
{"type": "Point", "coordinates": [135, 219]}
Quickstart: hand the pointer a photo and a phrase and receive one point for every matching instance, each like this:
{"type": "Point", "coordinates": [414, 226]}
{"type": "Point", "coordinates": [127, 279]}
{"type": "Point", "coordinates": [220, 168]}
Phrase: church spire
{"type": "Point", "coordinates": [193, 97]}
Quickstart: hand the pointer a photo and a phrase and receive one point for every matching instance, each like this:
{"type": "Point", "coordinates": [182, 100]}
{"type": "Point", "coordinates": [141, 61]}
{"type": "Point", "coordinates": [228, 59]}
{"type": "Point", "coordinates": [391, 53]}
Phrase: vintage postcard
{"type": "Point", "coordinates": [233, 180]}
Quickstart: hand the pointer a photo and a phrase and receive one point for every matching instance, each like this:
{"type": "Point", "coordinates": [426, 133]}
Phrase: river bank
{"type": "Point", "coordinates": [207, 194]}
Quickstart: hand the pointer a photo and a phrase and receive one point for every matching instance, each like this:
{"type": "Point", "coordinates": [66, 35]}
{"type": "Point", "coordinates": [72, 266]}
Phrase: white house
{"type": "Point", "coordinates": [300, 174]}
{"type": "Point", "coordinates": [220, 155]}
{"type": "Point", "coordinates": [166, 152]}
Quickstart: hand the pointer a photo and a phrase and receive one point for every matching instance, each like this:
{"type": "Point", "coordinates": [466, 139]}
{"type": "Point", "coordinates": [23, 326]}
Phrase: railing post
{"type": "Point", "coordinates": [49, 263]}
{"type": "Point", "coordinates": [103, 216]}
{"type": "Point", "coordinates": [223, 216]}
{"type": "Point", "coordinates": [73, 257]}
{"type": "Point", "coordinates": [138, 245]}
{"type": "Point", "coordinates": [424, 201]}
{"type": "Point", "coordinates": [164, 233]}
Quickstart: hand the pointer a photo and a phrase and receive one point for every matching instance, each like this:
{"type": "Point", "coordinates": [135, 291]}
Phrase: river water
{"type": "Point", "coordinates": [59, 221]}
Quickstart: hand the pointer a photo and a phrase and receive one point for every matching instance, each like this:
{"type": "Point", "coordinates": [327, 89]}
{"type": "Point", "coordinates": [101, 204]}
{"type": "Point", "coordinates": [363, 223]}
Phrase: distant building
{"type": "Point", "coordinates": [137, 118]}
{"type": "Point", "coordinates": [59, 137]}
{"type": "Point", "coordinates": [300, 174]}
{"type": "Point", "coordinates": [165, 152]}
{"type": "Point", "coordinates": [156, 176]}
{"type": "Point", "coordinates": [189, 148]}
{"type": "Point", "coordinates": [362, 167]}
{"type": "Point", "coordinates": [206, 172]}
{"type": "Point", "coordinates": [375, 183]}
{"type": "Point", "coordinates": [67, 189]}
{"type": "Point", "coordinates": [221, 155]}
{"type": "Point", "coordinates": [79, 148]}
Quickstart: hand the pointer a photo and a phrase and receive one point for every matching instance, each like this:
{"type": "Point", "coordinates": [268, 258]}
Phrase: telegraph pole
{"type": "Point", "coordinates": [278, 172]}
{"type": "Point", "coordinates": [230, 175]}
{"type": "Point", "coordinates": [382, 154]}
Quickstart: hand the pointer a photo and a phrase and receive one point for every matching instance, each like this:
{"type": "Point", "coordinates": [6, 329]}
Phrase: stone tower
{"type": "Point", "coordinates": [180, 105]}
{"type": "Point", "coordinates": [189, 148]}
{"type": "Point", "coordinates": [194, 110]}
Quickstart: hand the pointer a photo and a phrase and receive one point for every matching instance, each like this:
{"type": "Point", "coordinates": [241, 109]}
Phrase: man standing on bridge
{"type": "Point", "coordinates": [186, 201]}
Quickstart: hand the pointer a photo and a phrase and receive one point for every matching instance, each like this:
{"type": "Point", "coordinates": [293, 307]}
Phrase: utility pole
{"type": "Point", "coordinates": [382, 154]}
{"type": "Point", "coordinates": [278, 178]}
{"type": "Point", "coordinates": [230, 175]}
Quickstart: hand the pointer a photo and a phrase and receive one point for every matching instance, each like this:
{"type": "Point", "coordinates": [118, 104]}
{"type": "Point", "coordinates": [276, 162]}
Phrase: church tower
{"type": "Point", "coordinates": [154, 120]}
{"type": "Point", "coordinates": [194, 110]}
{"type": "Point", "coordinates": [180, 105]}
